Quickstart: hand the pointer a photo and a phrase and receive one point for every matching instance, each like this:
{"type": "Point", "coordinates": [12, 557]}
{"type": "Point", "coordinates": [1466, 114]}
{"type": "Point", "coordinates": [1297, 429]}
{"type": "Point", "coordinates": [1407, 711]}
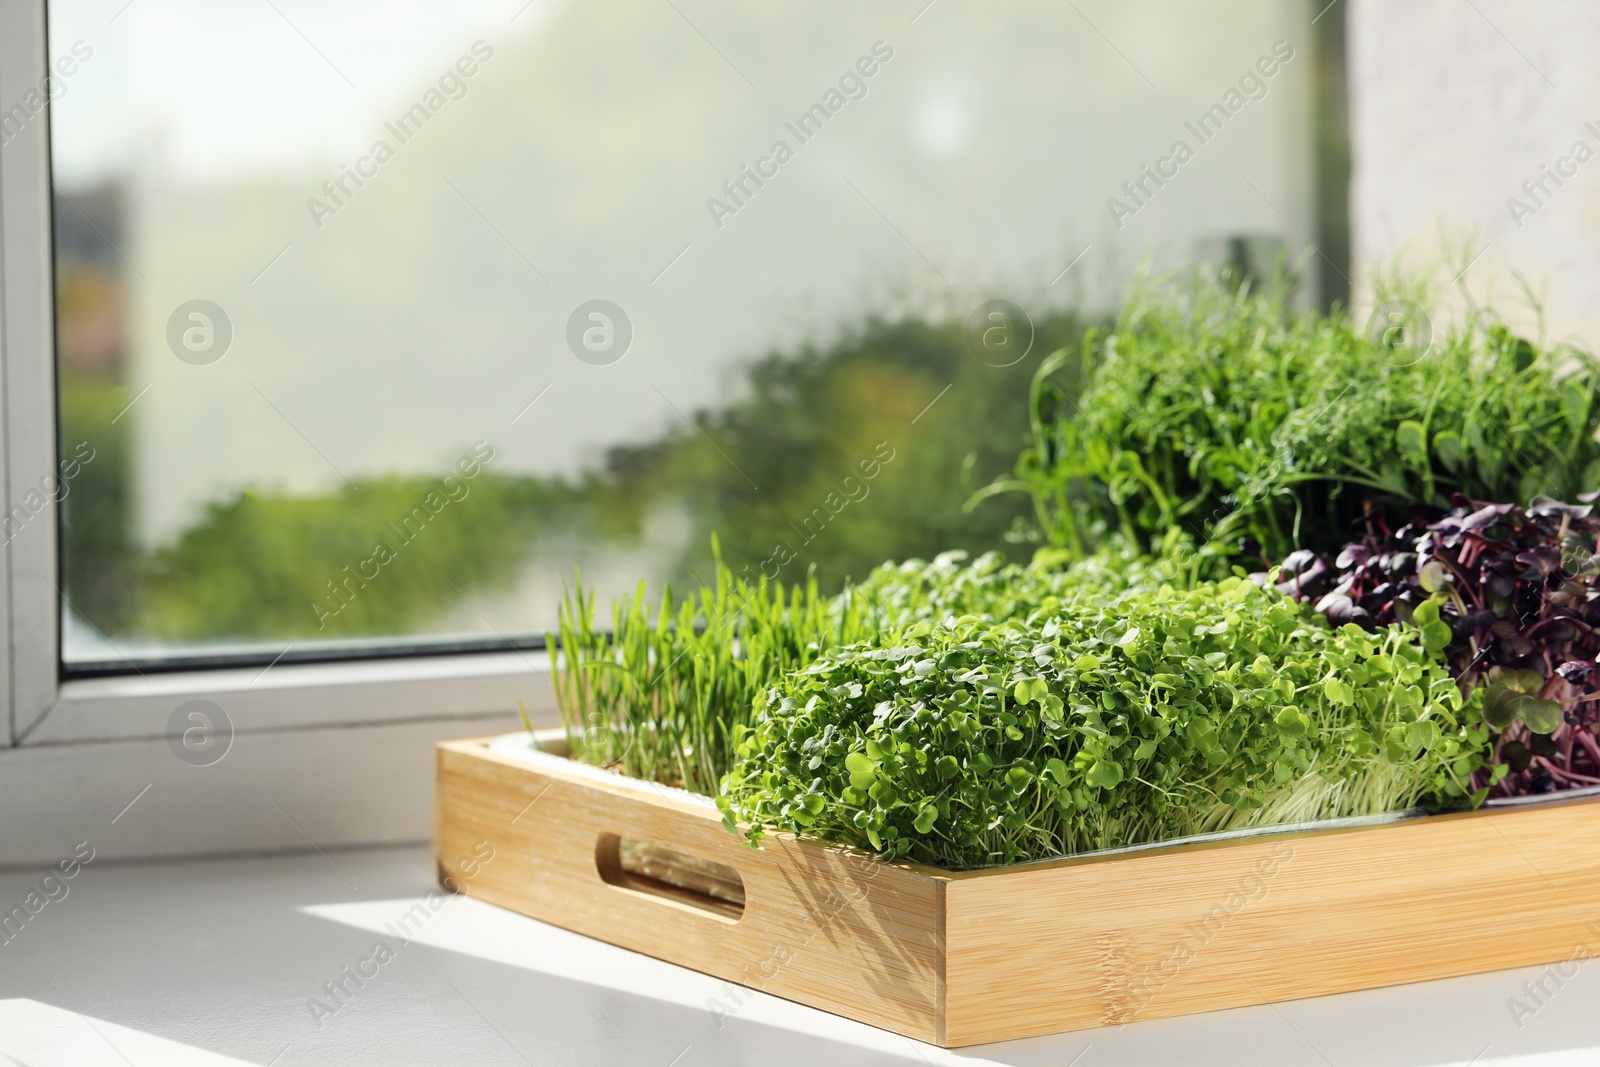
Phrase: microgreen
{"type": "Point", "coordinates": [1254, 429]}
{"type": "Point", "coordinates": [1511, 596]}
{"type": "Point", "coordinates": [1098, 722]}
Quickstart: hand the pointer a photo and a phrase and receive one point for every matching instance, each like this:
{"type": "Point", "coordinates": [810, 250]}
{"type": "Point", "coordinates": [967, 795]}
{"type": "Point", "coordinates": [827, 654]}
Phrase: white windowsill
{"type": "Point", "coordinates": [340, 754]}
{"type": "Point", "coordinates": [215, 963]}
{"type": "Point", "coordinates": [312, 695]}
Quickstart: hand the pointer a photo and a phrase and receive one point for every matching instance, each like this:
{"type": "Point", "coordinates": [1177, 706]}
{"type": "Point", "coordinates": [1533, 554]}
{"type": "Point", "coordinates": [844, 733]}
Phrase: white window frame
{"type": "Point", "coordinates": [44, 712]}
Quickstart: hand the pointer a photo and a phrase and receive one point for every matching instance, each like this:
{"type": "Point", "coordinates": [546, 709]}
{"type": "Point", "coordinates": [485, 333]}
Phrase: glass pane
{"type": "Point", "coordinates": [380, 320]}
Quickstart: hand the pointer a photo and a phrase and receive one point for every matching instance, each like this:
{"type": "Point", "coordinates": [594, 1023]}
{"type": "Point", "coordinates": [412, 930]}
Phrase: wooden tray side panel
{"type": "Point", "coordinates": [851, 936]}
{"type": "Point", "coordinates": [1144, 936]}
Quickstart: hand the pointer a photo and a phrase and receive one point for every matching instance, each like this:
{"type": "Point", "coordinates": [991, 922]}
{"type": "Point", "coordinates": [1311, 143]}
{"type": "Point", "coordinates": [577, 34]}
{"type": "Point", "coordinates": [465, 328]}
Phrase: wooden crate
{"type": "Point", "coordinates": [961, 958]}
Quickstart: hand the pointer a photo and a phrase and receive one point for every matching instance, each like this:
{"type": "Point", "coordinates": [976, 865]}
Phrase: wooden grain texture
{"type": "Point", "coordinates": [1078, 944]}
{"type": "Point", "coordinates": [837, 931]}
{"type": "Point", "coordinates": [958, 959]}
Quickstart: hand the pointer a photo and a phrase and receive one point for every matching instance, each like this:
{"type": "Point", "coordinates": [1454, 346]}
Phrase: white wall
{"type": "Point", "coordinates": [1452, 107]}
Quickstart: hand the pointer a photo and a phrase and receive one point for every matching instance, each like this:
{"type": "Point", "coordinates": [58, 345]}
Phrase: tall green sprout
{"type": "Point", "coordinates": [658, 696]}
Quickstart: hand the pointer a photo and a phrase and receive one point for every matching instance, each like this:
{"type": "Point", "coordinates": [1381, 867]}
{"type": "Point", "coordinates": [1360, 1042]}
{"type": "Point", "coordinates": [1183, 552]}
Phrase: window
{"type": "Point", "coordinates": [375, 323]}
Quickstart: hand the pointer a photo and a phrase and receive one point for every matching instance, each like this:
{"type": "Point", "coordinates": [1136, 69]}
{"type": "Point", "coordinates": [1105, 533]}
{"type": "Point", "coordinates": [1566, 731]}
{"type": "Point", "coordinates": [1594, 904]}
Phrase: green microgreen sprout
{"type": "Point", "coordinates": [1101, 722]}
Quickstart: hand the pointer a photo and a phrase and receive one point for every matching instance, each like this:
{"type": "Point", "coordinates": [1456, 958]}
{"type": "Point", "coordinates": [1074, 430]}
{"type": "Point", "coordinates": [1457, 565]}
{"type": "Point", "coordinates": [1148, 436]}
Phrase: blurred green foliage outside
{"type": "Point", "coordinates": [265, 564]}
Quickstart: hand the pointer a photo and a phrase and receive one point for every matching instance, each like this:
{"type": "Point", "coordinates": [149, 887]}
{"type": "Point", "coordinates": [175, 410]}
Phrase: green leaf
{"type": "Point", "coordinates": [1087, 663]}
{"type": "Point", "coordinates": [1485, 454]}
{"type": "Point", "coordinates": [1421, 734]}
{"type": "Point", "coordinates": [1433, 576]}
{"type": "Point", "coordinates": [1030, 691]}
{"type": "Point", "coordinates": [1057, 771]}
{"type": "Point", "coordinates": [925, 819]}
{"type": "Point", "coordinates": [1412, 441]}
{"type": "Point", "coordinates": [1128, 639]}
{"type": "Point", "coordinates": [1292, 721]}
{"type": "Point", "coordinates": [1451, 452]}
{"type": "Point", "coordinates": [1523, 681]}
{"type": "Point", "coordinates": [1105, 774]}
{"type": "Point", "coordinates": [1394, 744]}
{"type": "Point", "coordinates": [1542, 716]}
{"type": "Point", "coordinates": [1532, 483]}
{"type": "Point", "coordinates": [1436, 635]}
{"type": "Point", "coordinates": [861, 769]}
{"type": "Point", "coordinates": [1591, 477]}
{"type": "Point", "coordinates": [1500, 706]}
{"type": "Point", "coordinates": [1504, 703]}
{"type": "Point", "coordinates": [1019, 778]}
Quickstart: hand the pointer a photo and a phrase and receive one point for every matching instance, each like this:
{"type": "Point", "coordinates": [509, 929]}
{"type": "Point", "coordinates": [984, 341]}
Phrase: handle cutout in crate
{"type": "Point", "coordinates": [672, 875]}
